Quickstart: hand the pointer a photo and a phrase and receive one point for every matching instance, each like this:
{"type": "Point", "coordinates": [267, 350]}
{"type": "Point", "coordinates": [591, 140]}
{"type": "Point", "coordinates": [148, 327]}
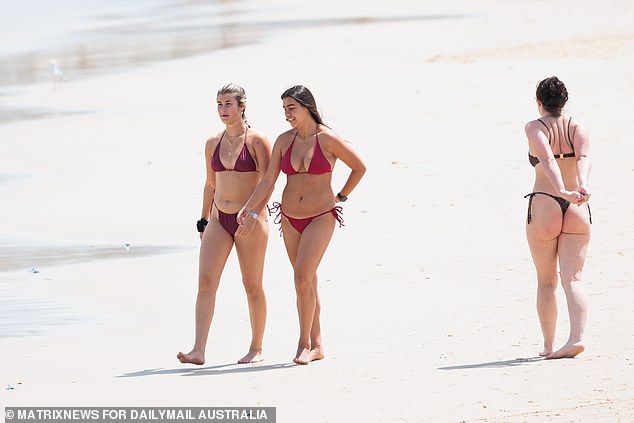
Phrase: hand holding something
{"type": "Point", "coordinates": [572, 196]}
{"type": "Point", "coordinates": [585, 194]}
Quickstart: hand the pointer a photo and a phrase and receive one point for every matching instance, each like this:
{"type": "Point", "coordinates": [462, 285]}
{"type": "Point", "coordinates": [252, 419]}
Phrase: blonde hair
{"type": "Point", "coordinates": [239, 94]}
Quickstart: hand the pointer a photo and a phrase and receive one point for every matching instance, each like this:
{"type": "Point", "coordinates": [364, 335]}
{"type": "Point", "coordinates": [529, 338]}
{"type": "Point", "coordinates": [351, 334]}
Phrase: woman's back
{"type": "Point", "coordinates": [560, 134]}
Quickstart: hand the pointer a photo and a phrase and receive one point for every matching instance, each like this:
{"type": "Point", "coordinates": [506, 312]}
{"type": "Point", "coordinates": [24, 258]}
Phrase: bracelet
{"type": "Point", "coordinates": [342, 197]}
{"type": "Point", "coordinates": [253, 215]}
{"type": "Point", "coordinates": [200, 225]}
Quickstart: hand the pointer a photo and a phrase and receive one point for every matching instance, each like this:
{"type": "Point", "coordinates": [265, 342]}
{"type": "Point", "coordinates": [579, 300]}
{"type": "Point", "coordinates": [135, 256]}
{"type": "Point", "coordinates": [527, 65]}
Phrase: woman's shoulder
{"type": "Point", "coordinates": [535, 125]}
{"type": "Point", "coordinates": [572, 122]}
{"type": "Point", "coordinates": [328, 135]}
{"type": "Point", "coordinates": [213, 140]}
{"type": "Point", "coordinates": [256, 137]}
{"type": "Point", "coordinates": [534, 122]}
{"type": "Point", "coordinates": [285, 137]}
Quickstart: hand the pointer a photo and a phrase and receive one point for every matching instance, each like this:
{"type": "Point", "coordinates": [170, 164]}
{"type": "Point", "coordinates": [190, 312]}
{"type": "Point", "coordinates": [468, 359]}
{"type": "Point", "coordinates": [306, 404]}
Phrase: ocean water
{"type": "Point", "coordinates": [87, 37]}
{"type": "Point", "coordinates": [48, 41]}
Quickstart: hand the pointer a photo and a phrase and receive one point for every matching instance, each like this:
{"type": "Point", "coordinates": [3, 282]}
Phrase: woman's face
{"type": "Point", "coordinates": [228, 109]}
{"type": "Point", "coordinates": [294, 112]}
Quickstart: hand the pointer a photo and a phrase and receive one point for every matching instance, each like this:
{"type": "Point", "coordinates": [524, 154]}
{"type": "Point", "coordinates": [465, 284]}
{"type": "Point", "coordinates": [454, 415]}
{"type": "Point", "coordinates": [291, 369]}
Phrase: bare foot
{"type": "Point", "coordinates": [546, 352]}
{"type": "Point", "coordinates": [568, 351]}
{"type": "Point", "coordinates": [305, 356]}
{"type": "Point", "coordinates": [193, 358]}
{"type": "Point", "coordinates": [318, 353]}
{"type": "Point", "coordinates": [251, 357]}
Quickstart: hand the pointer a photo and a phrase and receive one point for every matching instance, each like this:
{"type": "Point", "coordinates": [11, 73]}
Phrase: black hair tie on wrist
{"type": "Point", "coordinates": [200, 225]}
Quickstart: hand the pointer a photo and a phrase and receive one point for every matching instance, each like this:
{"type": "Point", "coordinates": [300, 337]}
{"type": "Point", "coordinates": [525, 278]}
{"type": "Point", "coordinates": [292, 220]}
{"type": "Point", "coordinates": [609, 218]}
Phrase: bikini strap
{"type": "Point", "coordinates": [276, 208]}
{"type": "Point", "coordinates": [547, 128]}
{"type": "Point", "coordinates": [337, 212]}
{"type": "Point", "coordinates": [289, 150]}
{"type": "Point", "coordinates": [218, 145]}
{"type": "Point", "coordinates": [245, 134]}
{"type": "Point", "coordinates": [569, 139]}
{"type": "Point", "coordinates": [244, 145]}
{"type": "Point", "coordinates": [530, 202]}
{"type": "Point", "coordinates": [589, 213]}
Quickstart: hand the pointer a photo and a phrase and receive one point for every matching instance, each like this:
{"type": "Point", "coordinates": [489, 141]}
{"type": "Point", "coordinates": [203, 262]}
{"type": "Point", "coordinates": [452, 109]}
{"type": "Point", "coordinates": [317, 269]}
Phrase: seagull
{"type": "Point", "coordinates": [57, 73]}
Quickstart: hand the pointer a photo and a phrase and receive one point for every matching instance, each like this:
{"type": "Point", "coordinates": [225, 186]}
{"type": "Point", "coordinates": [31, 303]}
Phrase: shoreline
{"type": "Point", "coordinates": [15, 256]}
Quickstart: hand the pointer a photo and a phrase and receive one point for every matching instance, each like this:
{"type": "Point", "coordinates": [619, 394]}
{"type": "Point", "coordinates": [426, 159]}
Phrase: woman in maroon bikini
{"type": "Point", "coordinates": [307, 154]}
{"type": "Point", "coordinates": [236, 160]}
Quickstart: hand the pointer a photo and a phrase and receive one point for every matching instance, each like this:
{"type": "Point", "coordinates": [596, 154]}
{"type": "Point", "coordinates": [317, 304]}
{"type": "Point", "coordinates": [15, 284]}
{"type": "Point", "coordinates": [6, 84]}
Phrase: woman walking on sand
{"type": "Point", "coordinates": [236, 160]}
{"type": "Point", "coordinates": [306, 154]}
{"type": "Point", "coordinates": [558, 222]}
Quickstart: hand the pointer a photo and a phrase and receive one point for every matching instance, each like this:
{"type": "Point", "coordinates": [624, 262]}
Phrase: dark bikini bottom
{"type": "Point", "coordinates": [228, 221]}
{"type": "Point", "coordinates": [301, 224]}
{"type": "Point", "coordinates": [563, 203]}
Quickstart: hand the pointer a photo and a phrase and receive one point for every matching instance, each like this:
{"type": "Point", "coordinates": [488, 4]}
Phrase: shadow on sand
{"type": "Point", "coordinates": [221, 369]}
{"type": "Point", "coordinates": [494, 364]}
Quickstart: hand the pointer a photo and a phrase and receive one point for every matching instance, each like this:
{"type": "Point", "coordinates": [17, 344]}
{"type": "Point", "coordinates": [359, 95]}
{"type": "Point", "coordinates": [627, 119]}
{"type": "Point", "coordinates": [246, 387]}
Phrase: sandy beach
{"type": "Point", "coordinates": [428, 291]}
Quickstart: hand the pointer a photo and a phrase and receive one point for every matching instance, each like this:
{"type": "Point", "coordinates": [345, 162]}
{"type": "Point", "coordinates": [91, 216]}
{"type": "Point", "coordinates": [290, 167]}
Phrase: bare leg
{"type": "Point", "coordinates": [572, 254]}
{"type": "Point", "coordinates": [214, 250]}
{"type": "Point", "coordinates": [251, 252]}
{"type": "Point", "coordinates": [542, 235]}
{"type": "Point", "coordinates": [316, 347]}
{"type": "Point", "coordinates": [305, 252]}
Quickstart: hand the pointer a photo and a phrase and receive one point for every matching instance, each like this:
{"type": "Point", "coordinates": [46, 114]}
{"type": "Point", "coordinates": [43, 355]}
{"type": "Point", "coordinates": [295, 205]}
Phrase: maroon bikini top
{"type": "Point", "coordinates": [244, 162]}
{"type": "Point", "coordinates": [318, 164]}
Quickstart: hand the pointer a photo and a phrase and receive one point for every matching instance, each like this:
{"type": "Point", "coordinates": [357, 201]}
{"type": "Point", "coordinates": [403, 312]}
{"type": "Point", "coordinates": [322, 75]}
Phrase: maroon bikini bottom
{"type": "Point", "coordinates": [301, 224]}
{"type": "Point", "coordinates": [228, 221]}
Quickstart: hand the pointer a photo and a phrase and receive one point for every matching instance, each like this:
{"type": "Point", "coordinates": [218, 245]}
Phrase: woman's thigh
{"type": "Point", "coordinates": [251, 252]}
{"type": "Point", "coordinates": [572, 249]}
{"type": "Point", "coordinates": [313, 243]}
{"type": "Point", "coordinates": [214, 250]}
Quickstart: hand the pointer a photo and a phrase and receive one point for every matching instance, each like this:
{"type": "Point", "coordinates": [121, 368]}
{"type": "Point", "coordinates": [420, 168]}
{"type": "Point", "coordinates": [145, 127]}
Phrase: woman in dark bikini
{"type": "Point", "coordinates": [307, 214]}
{"type": "Point", "coordinates": [236, 160]}
{"type": "Point", "coordinates": [558, 221]}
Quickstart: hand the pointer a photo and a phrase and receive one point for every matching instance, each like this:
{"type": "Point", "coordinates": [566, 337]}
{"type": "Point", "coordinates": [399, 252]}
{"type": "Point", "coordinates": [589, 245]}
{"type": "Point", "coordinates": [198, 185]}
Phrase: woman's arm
{"type": "Point", "coordinates": [210, 181]}
{"type": "Point", "coordinates": [342, 150]}
{"type": "Point", "coordinates": [539, 147]}
{"type": "Point", "coordinates": [581, 142]}
{"type": "Point", "coordinates": [262, 192]}
{"type": "Point", "coordinates": [262, 148]}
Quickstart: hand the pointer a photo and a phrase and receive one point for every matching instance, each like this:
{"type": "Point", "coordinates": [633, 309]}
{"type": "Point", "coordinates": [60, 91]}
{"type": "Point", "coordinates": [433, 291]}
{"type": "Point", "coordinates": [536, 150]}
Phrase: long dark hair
{"type": "Point", "coordinates": [306, 99]}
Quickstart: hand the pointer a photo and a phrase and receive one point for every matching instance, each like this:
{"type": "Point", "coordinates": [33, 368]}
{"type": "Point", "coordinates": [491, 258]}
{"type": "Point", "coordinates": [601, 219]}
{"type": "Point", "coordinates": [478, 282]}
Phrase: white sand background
{"type": "Point", "coordinates": [428, 291]}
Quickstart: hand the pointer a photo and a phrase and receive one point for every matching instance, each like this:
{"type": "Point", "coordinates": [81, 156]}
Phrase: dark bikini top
{"type": "Point", "coordinates": [244, 162]}
{"type": "Point", "coordinates": [534, 160]}
{"type": "Point", "coordinates": [318, 163]}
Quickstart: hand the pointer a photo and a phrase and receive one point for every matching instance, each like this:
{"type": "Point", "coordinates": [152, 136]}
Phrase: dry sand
{"type": "Point", "coordinates": [428, 292]}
